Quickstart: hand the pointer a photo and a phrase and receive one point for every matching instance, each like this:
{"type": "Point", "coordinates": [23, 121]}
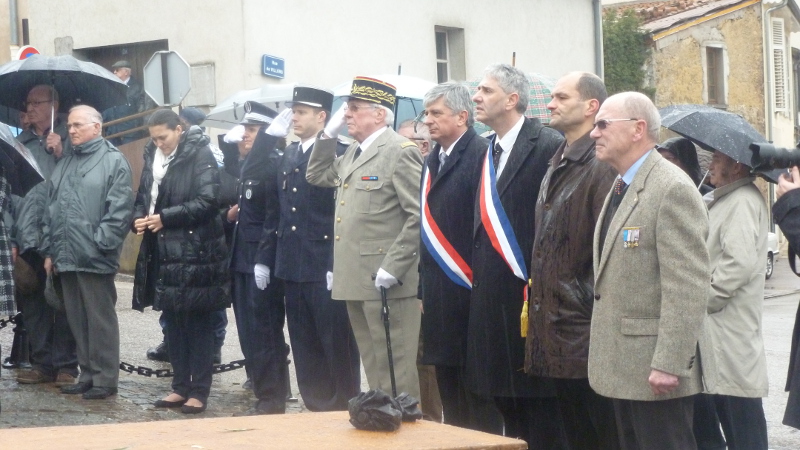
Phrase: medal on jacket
{"type": "Point", "coordinates": [496, 223]}
{"type": "Point", "coordinates": [445, 255]}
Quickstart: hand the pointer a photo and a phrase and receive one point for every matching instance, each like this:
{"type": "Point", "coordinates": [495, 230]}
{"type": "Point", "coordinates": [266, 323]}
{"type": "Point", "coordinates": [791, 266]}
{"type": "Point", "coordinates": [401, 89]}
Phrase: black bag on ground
{"type": "Point", "coordinates": [375, 410]}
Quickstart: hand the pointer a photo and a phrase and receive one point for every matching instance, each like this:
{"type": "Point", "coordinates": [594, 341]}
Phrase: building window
{"type": "Point", "coordinates": [715, 89]}
{"type": "Point", "coordinates": [779, 83]}
{"type": "Point", "coordinates": [450, 61]}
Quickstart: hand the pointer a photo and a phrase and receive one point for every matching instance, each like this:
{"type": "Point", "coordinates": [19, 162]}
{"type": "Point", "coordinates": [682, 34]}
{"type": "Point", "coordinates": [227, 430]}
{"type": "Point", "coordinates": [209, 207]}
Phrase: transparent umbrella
{"type": "Point", "coordinates": [538, 98]}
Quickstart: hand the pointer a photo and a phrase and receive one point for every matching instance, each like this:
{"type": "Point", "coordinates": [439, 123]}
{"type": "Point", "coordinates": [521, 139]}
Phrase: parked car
{"type": "Point", "coordinates": [773, 251]}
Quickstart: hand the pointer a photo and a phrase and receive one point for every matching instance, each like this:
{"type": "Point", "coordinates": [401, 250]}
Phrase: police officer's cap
{"type": "Point", "coordinates": [312, 96]}
{"type": "Point", "coordinates": [257, 114]}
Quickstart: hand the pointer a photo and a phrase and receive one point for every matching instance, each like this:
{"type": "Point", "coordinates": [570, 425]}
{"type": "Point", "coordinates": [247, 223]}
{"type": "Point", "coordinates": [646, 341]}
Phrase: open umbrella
{"type": "Point", "coordinates": [410, 91]}
{"type": "Point", "coordinates": [20, 168]}
{"type": "Point", "coordinates": [715, 129]}
{"type": "Point", "coordinates": [229, 112]}
{"type": "Point", "coordinates": [538, 97]}
{"type": "Point", "coordinates": [77, 82]}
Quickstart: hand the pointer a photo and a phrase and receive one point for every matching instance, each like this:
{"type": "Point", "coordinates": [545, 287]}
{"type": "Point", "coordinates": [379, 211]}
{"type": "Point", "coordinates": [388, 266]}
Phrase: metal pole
{"type": "Point", "coordinates": [165, 77]}
{"type": "Point", "coordinates": [26, 36]}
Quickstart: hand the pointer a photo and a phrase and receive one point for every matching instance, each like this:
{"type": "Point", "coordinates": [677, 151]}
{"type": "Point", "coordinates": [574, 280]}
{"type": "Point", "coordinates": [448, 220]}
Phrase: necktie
{"type": "Point", "coordinates": [496, 155]}
{"type": "Point", "coordinates": [358, 153]}
{"type": "Point", "coordinates": [619, 191]}
{"type": "Point", "coordinates": [442, 159]}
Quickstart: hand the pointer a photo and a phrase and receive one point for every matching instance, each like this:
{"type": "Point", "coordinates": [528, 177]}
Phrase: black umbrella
{"type": "Point", "coordinates": [715, 129]}
{"type": "Point", "coordinates": [77, 82]}
{"type": "Point", "coordinates": [21, 170]}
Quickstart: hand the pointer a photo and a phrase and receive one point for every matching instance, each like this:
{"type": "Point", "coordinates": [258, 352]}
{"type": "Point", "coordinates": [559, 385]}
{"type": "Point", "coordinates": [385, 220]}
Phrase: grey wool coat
{"type": "Point", "coordinates": [650, 299]}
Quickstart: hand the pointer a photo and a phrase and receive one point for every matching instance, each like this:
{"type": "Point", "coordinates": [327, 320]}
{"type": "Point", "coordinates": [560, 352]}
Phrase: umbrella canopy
{"type": "Point", "coordinates": [538, 96]}
{"type": "Point", "coordinates": [77, 82]}
{"type": "Point", "coordinates": [410, 91]}
{"type": "Point", "coordinates": [715, 129]}
{"type": "Point", "coordinates": [18, 163]}
{"type": "Point", "coordinates": [229, 112]}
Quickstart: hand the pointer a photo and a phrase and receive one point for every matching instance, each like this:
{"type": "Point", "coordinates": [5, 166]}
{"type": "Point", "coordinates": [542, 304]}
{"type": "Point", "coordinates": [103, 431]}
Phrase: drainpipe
{"type": "Point", "coordinates": [769, 103]}
{"type": "Point", "coordinates": [598, 37]}
{"type": "Point", "coordinates": [14, 22]}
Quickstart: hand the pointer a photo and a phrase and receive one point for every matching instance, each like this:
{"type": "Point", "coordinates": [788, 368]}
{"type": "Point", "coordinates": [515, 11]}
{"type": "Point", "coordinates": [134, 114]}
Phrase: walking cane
{"type": "Point", "coordinates": [385, 314]}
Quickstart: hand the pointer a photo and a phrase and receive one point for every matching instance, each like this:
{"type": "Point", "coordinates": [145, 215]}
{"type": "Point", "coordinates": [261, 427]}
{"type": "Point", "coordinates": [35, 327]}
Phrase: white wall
{"type": "Point", "coordinates": [326, 42]}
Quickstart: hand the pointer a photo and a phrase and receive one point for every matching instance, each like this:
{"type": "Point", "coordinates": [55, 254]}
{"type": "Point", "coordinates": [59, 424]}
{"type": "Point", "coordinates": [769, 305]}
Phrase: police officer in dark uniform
{"type": "Point", "coordinates": [257, 302]}
{"type": "Point", "coordinates": [325, 352]}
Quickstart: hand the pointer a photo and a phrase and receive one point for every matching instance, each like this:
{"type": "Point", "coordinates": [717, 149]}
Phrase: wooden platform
{"type": "Point", "coordinates": [291, 431]}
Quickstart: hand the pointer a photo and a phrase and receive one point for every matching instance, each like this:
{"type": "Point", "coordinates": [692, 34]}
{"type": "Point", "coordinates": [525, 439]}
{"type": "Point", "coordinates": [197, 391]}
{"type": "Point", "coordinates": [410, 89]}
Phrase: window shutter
{"type": "Point", "coordinates": [779, 65]}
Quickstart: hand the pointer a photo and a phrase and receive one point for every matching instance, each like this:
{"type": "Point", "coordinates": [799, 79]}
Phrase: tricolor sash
{"type": "Point", "coordinates": [495, 220]}
{"type": "Point", "coordinates": [451, 263]}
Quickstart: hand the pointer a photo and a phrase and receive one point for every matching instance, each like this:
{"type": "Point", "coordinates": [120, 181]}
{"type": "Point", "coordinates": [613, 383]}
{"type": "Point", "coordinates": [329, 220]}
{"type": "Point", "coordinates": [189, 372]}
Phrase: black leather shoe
{"type": "Point", "coordinates": [186, 409]}
{"type": "Point", "coordinates": [80, 387]}
{"type": "Point", "coordinates": [168, 404]}
{"type": "Point", "coordinates": [159, 352]}
{"type": "Point", "coordinates": [99, 393]}
{"type": "Point", "coordinates": [248, 384]}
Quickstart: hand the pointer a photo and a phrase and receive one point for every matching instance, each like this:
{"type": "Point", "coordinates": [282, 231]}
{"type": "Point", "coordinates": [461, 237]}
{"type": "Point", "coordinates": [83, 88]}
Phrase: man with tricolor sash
{"type": "Point", "coordinates": [376, 232]}
{"type": "Point", "coordinates": [562, 281]}
{"type": "Point", "coordinates": [450, 179]}
{"type": "Point", "coordinates": [512, 168]}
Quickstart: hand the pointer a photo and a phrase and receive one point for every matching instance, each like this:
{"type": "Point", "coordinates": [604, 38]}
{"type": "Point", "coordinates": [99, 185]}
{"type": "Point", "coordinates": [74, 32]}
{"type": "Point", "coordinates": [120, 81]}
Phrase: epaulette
{"type": "Point", "coordinates": [408, 144]}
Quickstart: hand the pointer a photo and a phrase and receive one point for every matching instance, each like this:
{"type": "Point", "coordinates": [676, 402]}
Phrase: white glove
{"type": "Point", "coordinates": [384, 279]}
{"type": "Point", "coordinates": [329, 280]}
{"type": "Point", "coordinates": [262, 276]}
{"type": "Point", "coordinates": [281, 124]}
{"type": "Point", "coordinates": [337, 122]}
{"type": "Point", "coordinates": [234, 135]}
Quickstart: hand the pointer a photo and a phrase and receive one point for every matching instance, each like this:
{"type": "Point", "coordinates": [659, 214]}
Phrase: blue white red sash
{"type": "Point", "coordinates": [440, 248]}
{"type": "Point", "coordinates": [495, 220]}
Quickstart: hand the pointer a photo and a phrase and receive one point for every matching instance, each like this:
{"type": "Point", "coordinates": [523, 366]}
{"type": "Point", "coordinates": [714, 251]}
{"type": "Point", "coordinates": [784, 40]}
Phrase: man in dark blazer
{"type": "Point", "coordinates": [513, 167]}
{"type": "Point", "coordinates": [450, 180]}
{"type": "Point", "coordinates": [652, 276]}
{"type": "Point", "coordinates": [562, 289]}
{"type": "Point", "coordinates": [325, 352]}
{"type": "Point", "coordinates": [257, 302]}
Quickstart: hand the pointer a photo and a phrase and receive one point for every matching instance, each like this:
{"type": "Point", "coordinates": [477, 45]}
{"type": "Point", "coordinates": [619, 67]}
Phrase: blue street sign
{"type": "Point", "coordinates": [272, 66]}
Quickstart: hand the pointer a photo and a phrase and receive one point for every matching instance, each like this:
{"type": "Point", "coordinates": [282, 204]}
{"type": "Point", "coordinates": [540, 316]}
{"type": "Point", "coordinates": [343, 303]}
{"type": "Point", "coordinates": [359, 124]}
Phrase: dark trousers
{"type": "Point", "coordinates": [219, 320]}
{"type": "Point", "coordinates": [191, 352]}
{"type": "Point", "coordinates": [326, 358]}
{"type": "Point", "coordinates": [742, 421]}
{"type": "Point", "coordinates": [89, 300]}
{"type": "Point", "coordinates": [463, 408]}
{"type": "Point", "coordinates": [260, 316]}
{"type": "Point", "coordinates": [655, 425]}
{"type": "Point", "coordinates": [588, 417]}
{"type": "Point", "coordinates": [536, 421]}
{"type": "Point", "coordinates": [53, 347]}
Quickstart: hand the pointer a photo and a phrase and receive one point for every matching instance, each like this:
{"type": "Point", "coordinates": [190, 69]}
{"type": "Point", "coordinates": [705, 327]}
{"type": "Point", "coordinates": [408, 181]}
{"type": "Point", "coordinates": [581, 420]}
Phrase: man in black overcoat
{"type": "Point", "coordinates": [519, 153]}
{"type": "Point", "coordinates": [450, 180]}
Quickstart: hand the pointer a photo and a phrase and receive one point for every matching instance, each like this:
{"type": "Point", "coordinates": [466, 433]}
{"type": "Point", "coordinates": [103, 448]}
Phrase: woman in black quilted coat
{"type": "Point", "coordinates": [181, 269]}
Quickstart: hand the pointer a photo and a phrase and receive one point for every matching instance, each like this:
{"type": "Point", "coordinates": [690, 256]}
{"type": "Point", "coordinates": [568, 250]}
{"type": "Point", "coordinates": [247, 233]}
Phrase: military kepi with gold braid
{"type": "Point", "coordinates": [372, 90]}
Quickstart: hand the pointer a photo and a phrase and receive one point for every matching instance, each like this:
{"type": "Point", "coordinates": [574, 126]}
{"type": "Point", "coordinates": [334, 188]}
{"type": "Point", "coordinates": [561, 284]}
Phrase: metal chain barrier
{"type": "Point", "coordinates": [4, 322]}
{"type": "Point", "coordinates": [164, 373]}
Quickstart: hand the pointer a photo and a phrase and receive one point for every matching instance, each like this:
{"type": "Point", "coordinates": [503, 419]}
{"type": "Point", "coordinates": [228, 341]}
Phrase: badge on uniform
{"type": "Point", "coordinates": [630, 237]}
{"type": "Point", "coordinates": [248, 193]}
{"type": "Point", "coordinates": [370, 178]}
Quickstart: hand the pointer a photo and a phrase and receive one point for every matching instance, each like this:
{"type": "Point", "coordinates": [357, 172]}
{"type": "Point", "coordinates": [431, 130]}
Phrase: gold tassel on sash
{"type": "Point", "coordinates": [523, 318]}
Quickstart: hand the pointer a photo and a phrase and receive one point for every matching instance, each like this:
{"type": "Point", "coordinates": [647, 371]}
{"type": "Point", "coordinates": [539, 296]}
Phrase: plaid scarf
{"type": "Point", "coordinates": [7, 306]}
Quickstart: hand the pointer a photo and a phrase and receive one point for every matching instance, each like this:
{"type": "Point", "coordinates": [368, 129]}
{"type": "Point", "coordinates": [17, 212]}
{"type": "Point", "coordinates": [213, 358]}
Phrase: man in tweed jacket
{"type": "Point", "coordinates": [651, 279]}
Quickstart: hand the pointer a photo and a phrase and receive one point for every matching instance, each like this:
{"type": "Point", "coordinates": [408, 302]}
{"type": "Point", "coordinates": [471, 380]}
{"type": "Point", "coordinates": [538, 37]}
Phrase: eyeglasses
{"type": "Point", "coordinates": [603, 123]}
{"type": "Point", "coordinates": [36, 102]}
{"type": "Point", "coordinates": [78, 125]}
{"type": "Point", "coordinates": [355, 108]}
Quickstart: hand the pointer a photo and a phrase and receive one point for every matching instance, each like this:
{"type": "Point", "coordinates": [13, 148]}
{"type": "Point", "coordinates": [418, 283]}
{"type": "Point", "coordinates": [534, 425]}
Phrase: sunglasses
{"type": "Point", "coordinates": [604, 123]}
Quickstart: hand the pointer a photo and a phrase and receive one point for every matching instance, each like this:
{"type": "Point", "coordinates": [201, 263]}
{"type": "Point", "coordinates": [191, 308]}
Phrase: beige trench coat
{"type": "Point", "coordinates": [732, 345]}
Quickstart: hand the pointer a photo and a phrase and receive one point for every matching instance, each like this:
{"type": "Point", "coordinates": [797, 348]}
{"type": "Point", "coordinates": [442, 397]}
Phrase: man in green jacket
{"type": "Point", "coordinates": [89, 208]}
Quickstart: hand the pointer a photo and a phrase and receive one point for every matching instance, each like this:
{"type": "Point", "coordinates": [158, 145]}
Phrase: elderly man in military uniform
{"type": "Point", "coordinates": [376, 232]}
{"type": "Point", "coordinates": [257, 303]}
{"type": "Point", "coordinates": [325, 353]}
